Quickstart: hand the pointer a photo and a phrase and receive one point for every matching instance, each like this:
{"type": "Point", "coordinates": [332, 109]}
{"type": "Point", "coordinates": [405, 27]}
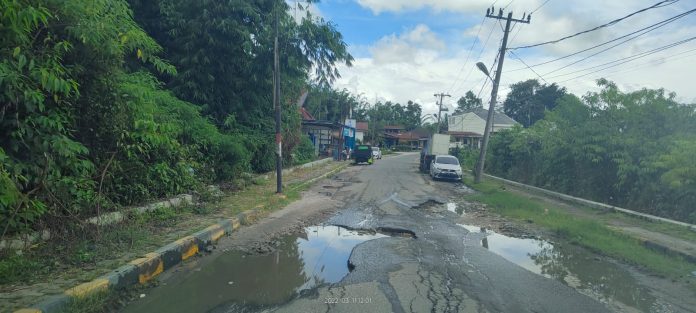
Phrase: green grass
{"type": "Point", "coordinates": [84, 252]}
{"type": "Point", "coordinates": [585, 232]}
{"type": "Point", "coordinates": [101, 302]}
{"type": "Point", "coordinates": [17, 267]}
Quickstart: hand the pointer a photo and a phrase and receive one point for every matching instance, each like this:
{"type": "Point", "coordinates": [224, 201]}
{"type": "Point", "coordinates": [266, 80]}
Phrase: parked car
{"type": "Point", "coordinates": [363, 154]}
{"type": "Point", "coordinates": [376, 153]}
{"type": "Point", "coordinates": [446, 167]}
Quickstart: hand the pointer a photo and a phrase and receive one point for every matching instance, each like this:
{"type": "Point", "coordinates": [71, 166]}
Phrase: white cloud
{"type": "Point", "coordinates": [419, 45]}
{"type": "Point", "coordinates": [419, 62]}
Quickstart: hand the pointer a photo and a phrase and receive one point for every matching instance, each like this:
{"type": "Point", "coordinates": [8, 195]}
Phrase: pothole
{"type": "Point", "coordinates": [396, 232]}
{"type": "Point", "coordinates": [572, 266]}
{"type": "Point", "coordinates": [315, 256]}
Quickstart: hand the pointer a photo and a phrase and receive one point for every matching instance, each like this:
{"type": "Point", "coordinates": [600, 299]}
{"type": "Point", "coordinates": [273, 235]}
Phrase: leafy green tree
{"type": "Point", "coordinates": [528, 101]}
{"type": "Point", "coordinates": [627, 149]}
{"type": "Point", "coordinates": [468, 102]}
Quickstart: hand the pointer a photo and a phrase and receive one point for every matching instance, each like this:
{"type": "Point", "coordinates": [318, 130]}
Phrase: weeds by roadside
{"type": "Point", "coordinates": [85, 252]}
{"type": "Point", "coordinates": [585, 232]}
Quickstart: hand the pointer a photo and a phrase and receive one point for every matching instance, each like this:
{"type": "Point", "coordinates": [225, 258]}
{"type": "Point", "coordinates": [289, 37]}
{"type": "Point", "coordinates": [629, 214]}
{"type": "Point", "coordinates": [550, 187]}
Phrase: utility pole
{"type": "Point", "coordinates": [276, 104]}
{"type": "Point", "coordinates": [494, 94]}
{"type": "Point", "coordinates": [440, 109]}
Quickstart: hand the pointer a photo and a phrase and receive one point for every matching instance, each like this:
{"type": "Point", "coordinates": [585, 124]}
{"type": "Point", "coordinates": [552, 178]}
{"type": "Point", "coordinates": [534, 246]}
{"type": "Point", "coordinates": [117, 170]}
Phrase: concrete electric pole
{"type": "Point", "coordinates": [494, 94]}
{"type": "Point", "coordinates": [440, 110]}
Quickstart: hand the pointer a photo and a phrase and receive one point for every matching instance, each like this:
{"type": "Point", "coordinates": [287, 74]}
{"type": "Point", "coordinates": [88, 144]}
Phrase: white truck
{"type": "Point", "coordinates": [437, 144]}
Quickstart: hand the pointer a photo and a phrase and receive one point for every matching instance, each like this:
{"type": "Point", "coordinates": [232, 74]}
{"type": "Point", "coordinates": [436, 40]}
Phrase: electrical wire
{"type": "Point", "coordinates": [525, 64]}
{"type": "Point", "coordinates": [614, 46]}
{"type": "Point", "coordinates": [626, 59]}
{"type": "Point", "coordinates": [644, 30]}
{"type": "Point", "coordinates": [485, 44]}
{"type": "Point", "coordinates": [654, 6]}
{"type": "Point", "coordinates": [472, 48]}
{"type": "Point", "coordinates": [539, 7]}
{"type": "Point", "coordinates": [637, 55]}
{"type": "Point", "coordinates": [468, 55]}
{"type": "Point", "coordinates": [656, 62]}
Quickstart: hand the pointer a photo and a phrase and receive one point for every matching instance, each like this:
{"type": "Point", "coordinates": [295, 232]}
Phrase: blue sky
{"type": "Point", "coordinates": [411, 49]}
{"type": "Point", "coordinates": [361, 27]}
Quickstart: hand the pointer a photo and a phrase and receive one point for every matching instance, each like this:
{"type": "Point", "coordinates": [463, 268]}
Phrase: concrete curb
{"type": "Point", "coordinates": [591, 204]}
{"type": "Point", "coordinates": [149, 266]}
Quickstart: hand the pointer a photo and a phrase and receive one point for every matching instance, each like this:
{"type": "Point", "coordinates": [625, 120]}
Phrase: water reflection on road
{"type": "Point", "coordinates": [236, 281]}
{"type": "Point", "coordinates": [575, 267]}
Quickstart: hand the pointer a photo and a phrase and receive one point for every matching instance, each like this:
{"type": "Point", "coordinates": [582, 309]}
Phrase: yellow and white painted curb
{"type": "Point", "coordinates": [149, 266]}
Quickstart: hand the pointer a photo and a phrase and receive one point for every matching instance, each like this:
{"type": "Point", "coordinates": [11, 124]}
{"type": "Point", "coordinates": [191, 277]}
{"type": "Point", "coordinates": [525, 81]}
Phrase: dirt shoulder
{"type": "Point", "coordinates": [73, 258]}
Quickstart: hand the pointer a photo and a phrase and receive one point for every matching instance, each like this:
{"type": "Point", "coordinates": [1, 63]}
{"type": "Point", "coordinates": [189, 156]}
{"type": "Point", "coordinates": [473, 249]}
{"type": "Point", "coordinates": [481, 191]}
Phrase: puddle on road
{"type": "Point", "coordinates": [574, 267]}
{"type": "Point", "coordinates": [234, 281]}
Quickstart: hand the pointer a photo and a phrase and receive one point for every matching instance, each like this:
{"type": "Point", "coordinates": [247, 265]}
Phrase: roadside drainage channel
{"type": "Point", "coordinates": [574, 267]}
{"type": "Point", "coordinates": [235, 281]}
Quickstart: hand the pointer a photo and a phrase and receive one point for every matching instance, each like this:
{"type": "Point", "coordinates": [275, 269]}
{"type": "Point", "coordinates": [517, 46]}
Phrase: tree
{"type": "Point", "coordinates": [627, 149]}
{"type": "Point", "coordinates": [468, 102]}
{"type": "Point", "coordinates": [528, 101]}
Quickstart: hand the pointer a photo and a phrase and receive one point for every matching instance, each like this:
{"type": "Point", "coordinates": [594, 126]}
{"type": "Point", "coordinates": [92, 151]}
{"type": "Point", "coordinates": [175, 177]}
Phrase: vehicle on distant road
{"type": "Point", "coordinates": [437, 144]}
{"type": "Point", "coordinates": [376, 153]}
{"type": "Point", "coordinates": [446, 167]}
{"type": "Point", "coordinates": [363, 154]}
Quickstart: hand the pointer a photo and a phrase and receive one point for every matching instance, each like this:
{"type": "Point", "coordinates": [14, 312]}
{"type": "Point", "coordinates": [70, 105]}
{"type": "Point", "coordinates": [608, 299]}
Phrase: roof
{"type": "Point", "coordinates": [498, 118]}
{"type": "Point", "coordinates": [361, 126]}
{"type": "Point", "coordinates": [394, 127]}
{"type": "Point", "coordinates": [409, 135]}
{"type": "Point", "coordinates": [464, 134]}
{"type": "Point", "coordinates": [306, 116]}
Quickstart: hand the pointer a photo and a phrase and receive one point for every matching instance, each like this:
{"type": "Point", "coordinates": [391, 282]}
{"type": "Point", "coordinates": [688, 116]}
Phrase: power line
{"type": "Point", "coordinates": [539, 7]}
{"type": "Point", "coordinates": [525, 64]}
{"type": "Point", "coordinates": [627, 59]}
{"type": "Point", "coordinates": [637, 55]}
{"type": "Point", "coordinates": [468, 54]}
{"type": "Point", "coordinates": [485, 43]}
{"type": "Point", "coordinates": [495, 61]}
{"type": "Point", "coordinates": [657, 5]}
{"type": "Point", "coordinates": [648, 28]}
{"type": "Point", "coordinates": [618, 44]}
{"type": "Point", "coordinates": [472, 48]}
{"type": "Point", "coordinates": [655, 62]}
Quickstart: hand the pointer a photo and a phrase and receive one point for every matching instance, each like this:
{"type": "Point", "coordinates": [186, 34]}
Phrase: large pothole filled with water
{"type": "Point", "coordinates": [237, 281]}
{"type": "Point", "coordinates": [575, 267]}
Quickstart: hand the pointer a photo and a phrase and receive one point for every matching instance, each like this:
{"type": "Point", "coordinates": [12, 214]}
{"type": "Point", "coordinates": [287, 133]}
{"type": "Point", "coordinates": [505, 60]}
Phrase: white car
{"type": "Point", "coordinates": [445, 166]}
{"type": "Point", "coordinates": [376, 153]}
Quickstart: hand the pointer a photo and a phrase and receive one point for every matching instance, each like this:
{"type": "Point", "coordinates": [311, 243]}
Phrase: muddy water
{"type": "Point", "coordinates": [577, 268]}
{"type": "Point", "coordinates": [238, 282]}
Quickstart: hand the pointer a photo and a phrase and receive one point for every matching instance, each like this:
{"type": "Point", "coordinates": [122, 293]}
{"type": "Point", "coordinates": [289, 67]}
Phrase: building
{"type": "Point", "coordinates": [328, 137]}
{"type": "Point", "coordinates": [415, 139]}
{"type": "Point", "coordinates": [394, 129]}
{"type": "Point", "coordinates": [467, 128]}
{"type": "Point", "coordinates": [360, 131]}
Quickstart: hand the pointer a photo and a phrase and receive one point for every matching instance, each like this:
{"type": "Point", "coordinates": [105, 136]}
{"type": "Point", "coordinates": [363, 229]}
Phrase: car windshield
{"type": "Point", "coordinates": [447, 160]}
{"type": "Point", "coordinates": [375, 148]}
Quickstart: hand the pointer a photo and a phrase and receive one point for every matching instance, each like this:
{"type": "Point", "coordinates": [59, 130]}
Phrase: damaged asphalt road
{"type": "Point", "coordinates": [398, 249]}
{"type": "Point", "coordinates": [428, 263]}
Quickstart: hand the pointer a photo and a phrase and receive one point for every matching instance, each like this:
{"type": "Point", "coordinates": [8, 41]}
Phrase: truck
{"type": "Point", "coordinates": [437, 144]}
